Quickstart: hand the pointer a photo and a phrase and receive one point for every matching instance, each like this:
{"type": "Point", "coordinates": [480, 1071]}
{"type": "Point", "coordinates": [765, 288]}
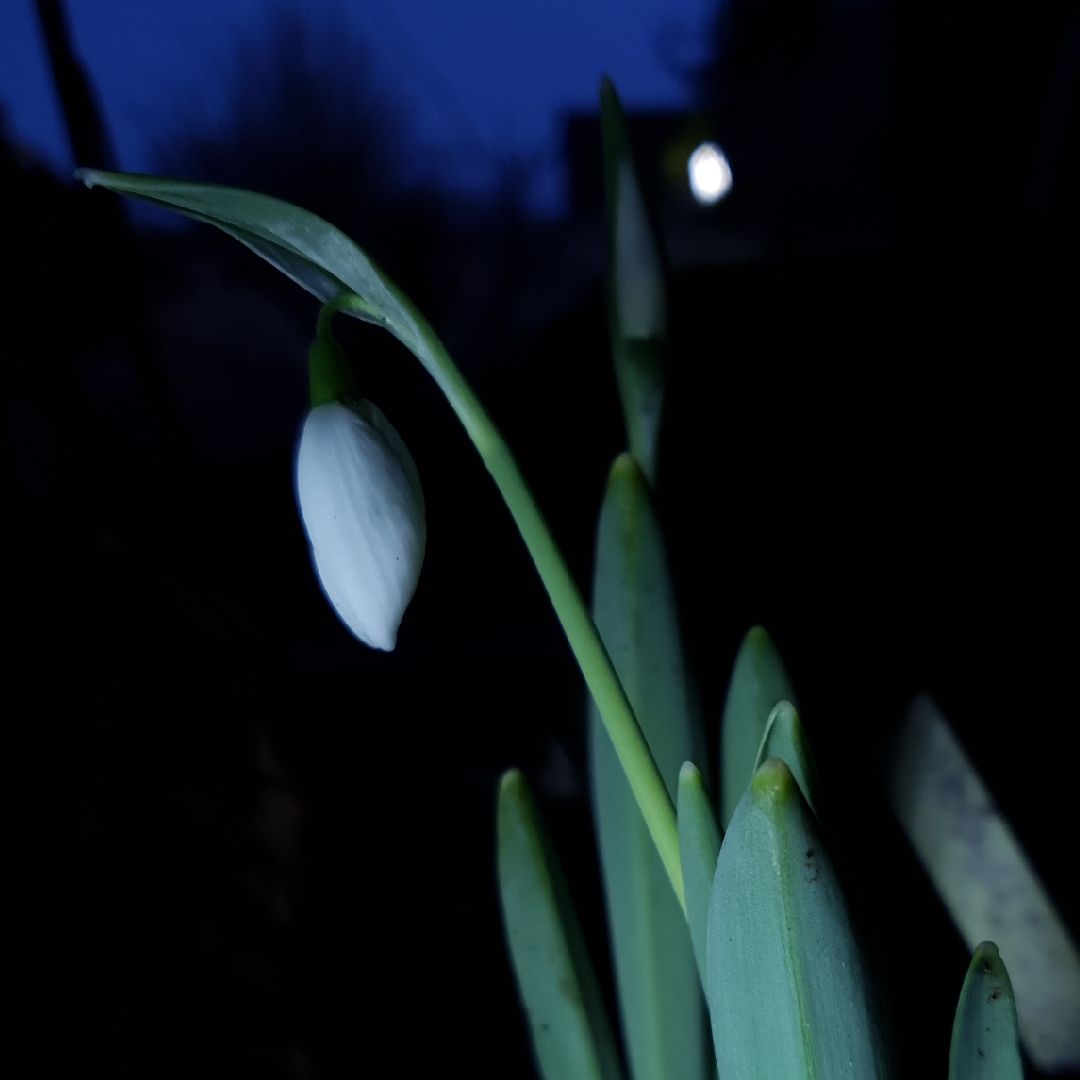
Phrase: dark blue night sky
{"type": "Point", "coordinates": [486, 72]}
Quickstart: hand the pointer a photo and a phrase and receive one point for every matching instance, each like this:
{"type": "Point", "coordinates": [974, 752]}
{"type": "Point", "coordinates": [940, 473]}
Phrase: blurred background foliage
{"type": "Point", "coordinates": [868, 447]}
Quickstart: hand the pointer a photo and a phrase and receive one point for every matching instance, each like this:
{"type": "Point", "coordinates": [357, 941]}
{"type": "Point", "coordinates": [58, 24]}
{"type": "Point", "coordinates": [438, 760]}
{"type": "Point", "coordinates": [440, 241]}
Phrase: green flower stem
{"type": "Point", "coordinates": [592, 657]}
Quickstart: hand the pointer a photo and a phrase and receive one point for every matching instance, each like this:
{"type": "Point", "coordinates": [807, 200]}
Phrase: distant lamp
{"type": "Point", "coordinates": [710, 174]}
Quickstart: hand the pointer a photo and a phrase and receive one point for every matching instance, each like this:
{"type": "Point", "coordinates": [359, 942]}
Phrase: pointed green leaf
{"type": "Point", "coordinates": [637, 294]}
{"type": "Point", "coordinates": [699, 845]}
{"type": "Point", "coordinates": [571, 1035]}
{"type": "Point", "coordinates": [758, 683]}
{"type": "Point", "coordinates": [784, 738]}
{"type": "Point", "coordinates": [660, 998]}
{"type": "Point", "coordinates": [789, 990]}
{"type": "Point", "coordinates": [984, 1040]}
{"type": "Point", "coordinates": [983, 875]}
{"type": "Point", "coordinates": [315, 254]}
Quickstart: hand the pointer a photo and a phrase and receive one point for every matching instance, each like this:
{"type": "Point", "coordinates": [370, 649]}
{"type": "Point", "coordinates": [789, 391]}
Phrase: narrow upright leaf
{"type": "Point", "coordinates": [790, 994]}
{"type": "Point", "coordinates": [983, 876]}
{"type": "Point", "coordinates": [699, 845]}
{"type": "Point", "coordinates": [637, 294]}
{"type": "Point", "coordinates": [784, 738]}
{"type": "Point", "coordinates": [660, 998]}
{"type": "Point", "coordinates": [984, 1040]}
{"type": "Point", "coordinates": [758, 682]}
{"type": "Point", "coordinates": [571, 1036]}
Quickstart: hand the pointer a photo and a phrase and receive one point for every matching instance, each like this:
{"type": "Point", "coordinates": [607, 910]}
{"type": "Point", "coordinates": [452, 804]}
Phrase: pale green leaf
{"type": "Point", "coordinates": [699, 845]}
{"type": "Point", "coordinates": [637, 293]}
{"type": "Point", "coordinates": [322, 259]}
{"type": "Point", "coordinates": [571, 1036]}
{"type": "Point", "coordinates": [315, 254]}
{"type": "Point", "coordinates": [660, 999]}
{"type": "Point", "coordinates": [784, 738]}
{"type": "Point", "coordinates": [758, 683]}
{"type": "Point", "coordinates": [790, 993]}
{"type": "Point", "coordinates": [984, 1040]}
{"type": "Point", "coordinates": [983, 875]}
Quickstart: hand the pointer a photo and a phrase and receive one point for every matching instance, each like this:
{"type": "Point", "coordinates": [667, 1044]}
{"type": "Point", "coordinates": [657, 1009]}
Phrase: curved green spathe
{"type": "Point", "coordinates": [758, 683]}
{"type": "Point", "coordinates": [785, 738]}
{"type": "Point", "coordinates": [789, 989]}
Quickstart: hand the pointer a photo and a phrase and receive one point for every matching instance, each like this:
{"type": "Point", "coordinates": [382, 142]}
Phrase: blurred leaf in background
{"type": "Point", "coordinates": [983, 876]}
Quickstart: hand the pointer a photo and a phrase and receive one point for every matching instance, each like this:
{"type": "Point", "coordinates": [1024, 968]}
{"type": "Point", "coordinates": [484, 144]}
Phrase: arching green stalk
{"type": "Point", "coordinates": [566, 599]}
{"type": "Point", "coordinates": [323, 260]}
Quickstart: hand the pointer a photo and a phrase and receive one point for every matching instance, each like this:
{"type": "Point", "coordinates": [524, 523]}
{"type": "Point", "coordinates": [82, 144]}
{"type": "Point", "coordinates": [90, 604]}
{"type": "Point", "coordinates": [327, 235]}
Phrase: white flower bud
{"type": "Point", "coordinates": [363, 511]}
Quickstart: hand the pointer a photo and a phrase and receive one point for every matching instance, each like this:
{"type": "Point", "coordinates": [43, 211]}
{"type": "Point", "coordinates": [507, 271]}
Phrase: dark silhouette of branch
{"type": "Point", "coordinates": [116, 243]}
{"type": "Point", "coordinates": [89, 140]}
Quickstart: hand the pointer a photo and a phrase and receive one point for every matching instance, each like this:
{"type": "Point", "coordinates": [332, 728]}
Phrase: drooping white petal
{"type": "Point", "coordinates": [363, 511]}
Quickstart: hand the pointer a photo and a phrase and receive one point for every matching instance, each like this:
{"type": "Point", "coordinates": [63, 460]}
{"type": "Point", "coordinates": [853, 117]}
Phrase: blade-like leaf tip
{"type": "Point", "coordinates": [510, 783]}
{"type": "Point", "coordinates": [690, 776]}
{"type": "Point", "coordinates": [607, 88]}
{"type": "Point", "coordinates": [784, 735]}
{"type": "Point", "coordinates": [514, 800]}
{"type": "Point", "coordinates": [623, 469]}
{"type": "Point", "coordinates": [700, 838]}
{"type": "Point", "coordinates": [773, 784]}
{"type": "Point", "coordinates": [984, 1043]}
{"type": "Point", "coordinates": [988, 957]}
{"type": "Point", "coordinates": [626, 486]}
{"type": "Point", "coordinates": [92, 177]}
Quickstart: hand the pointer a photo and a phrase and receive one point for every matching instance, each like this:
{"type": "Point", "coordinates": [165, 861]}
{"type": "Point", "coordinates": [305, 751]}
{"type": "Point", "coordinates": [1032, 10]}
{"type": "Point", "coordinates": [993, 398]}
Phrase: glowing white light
{"type": "Point", "coordinates": [710, 174]}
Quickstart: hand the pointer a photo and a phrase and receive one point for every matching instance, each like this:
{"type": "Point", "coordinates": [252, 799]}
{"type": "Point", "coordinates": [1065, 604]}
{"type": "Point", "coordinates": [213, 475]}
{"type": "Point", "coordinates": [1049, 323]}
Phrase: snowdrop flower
{"type": "Point", "coordinates": [363, 512]}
